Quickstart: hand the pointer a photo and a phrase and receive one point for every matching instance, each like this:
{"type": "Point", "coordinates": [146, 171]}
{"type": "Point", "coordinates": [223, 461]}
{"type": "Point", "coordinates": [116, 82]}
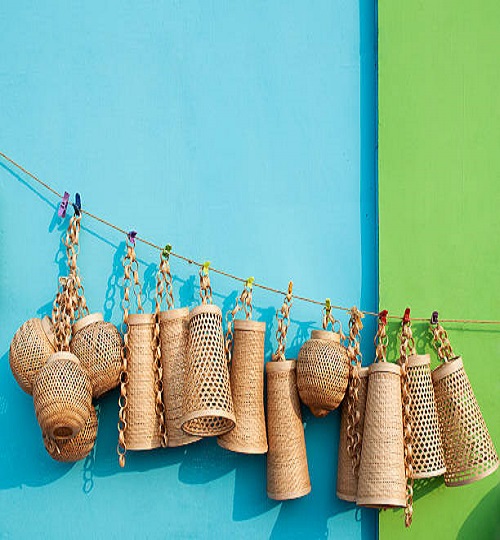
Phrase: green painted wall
{"type": "Point", "coordinates": [439, 208]}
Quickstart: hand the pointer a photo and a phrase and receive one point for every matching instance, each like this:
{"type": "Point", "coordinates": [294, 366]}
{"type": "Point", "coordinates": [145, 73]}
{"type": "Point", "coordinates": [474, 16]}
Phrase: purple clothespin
{"type": "Point", "coordinates": [434, 317]}
{"type": "Point", "coordinates": [131, 237]}
{"type": "Point", "coordinates": [63, 206]}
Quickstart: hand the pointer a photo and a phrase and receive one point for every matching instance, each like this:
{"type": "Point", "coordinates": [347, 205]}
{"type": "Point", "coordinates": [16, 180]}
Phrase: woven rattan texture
{"type": "Point", "coordinates": [428, 458]}
{"type": "Point", "coordinates": [347, 482]}
{"type": "Point", "coordinates": [247, 389]}
{"type": "Point", "coordinates": [381, 480]}
{"type": "Point", "coordinates": [174, 337]}
{"type": "Point", "coordinates": [468, 449]}
{"type": "Point", "coordinates": [29, 350]}
{"type": "Point", "coordinates": [98, 347]}
{"type": "Point", "coordinates": [287, 469]}
{"type": "Point", "coordinates": [208, 406]}
{"type": "Point", "coordinates": [322, 375]}
{"type": "Point", "coordinates": [62, 396]}
{"type": "Point", "coordinates": [78, 447]}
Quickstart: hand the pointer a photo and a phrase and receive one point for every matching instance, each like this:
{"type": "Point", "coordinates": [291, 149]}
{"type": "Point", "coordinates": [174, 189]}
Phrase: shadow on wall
{"type": "Point", "coordinates": [483, 523]}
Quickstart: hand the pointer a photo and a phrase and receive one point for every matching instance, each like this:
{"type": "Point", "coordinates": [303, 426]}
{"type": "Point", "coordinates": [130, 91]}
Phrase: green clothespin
{"type": "Point", "coordinates": [249, 282]}
{"type": "Point", "coordinates": [205, 267]}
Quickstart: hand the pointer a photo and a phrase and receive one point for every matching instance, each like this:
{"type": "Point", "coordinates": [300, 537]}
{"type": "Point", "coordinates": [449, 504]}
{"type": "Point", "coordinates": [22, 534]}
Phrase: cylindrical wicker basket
{"type": "Point", "coordinates": [247, 389]}
{"type": "Point", "coordinates": [30, 348]}
{"type": "Point", "coordinates": [62, 396]}
{"type": "Point", "coordinates": [287, 470]}
{"type": "Point", "coordinates": [98, 346]}
{"type": "Point", "coordinates": [322, 372]}
{"type": "Point", "coordinates": [382, 482]}
{"type": "Point", "coordinates": [347, 482]}
{"type": "Point", "coordinates": [78, 447]}
{"type": "Point", "coordinates": [174, 337]}
{"type": "Point", "coordinates": [142, 431]}
{"type": "Point", "coordinates": [469, 453]}
{"type": "Point", "coordinates": [428, 458]}
{"type": "Point", "coordinates": [208, 406]}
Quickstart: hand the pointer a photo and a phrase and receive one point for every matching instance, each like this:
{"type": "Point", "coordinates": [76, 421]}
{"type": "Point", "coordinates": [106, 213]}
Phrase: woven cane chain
{"type": "Point", "coordinates": [381, 342]}
{"type": "Point", "coordinates": [71, 242]}
{"type": "Point", "coordinates": [205, 287]}
{"type": "Point", "coordinates": [283, 318]}
{"type": "Point", "coordinates": [243, 302]}
{"type": "Point", "coordinates": [63, 311]}
{"type": "Point", "coordinates": [442, 343]}
{"type": "Point", "coordinates": [328, 318]}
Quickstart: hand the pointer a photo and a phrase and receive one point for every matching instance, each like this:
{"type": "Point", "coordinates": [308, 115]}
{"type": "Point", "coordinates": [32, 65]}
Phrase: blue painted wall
{"type": "Point", "coordinates": [240, 132]}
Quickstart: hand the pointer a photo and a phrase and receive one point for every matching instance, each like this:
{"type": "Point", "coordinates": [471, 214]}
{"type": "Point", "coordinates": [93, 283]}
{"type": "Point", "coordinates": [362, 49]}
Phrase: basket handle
{"type": "Point", "coordinates": [283, 318]}
{"type": "Point", "coordinates": [381, 339]}
{"type": "Point", "coordinates": [243, 303]}
{"type": "Point", "coordinates": [328, 318]}
{"type": "Point", "coordinates": [441, 341]}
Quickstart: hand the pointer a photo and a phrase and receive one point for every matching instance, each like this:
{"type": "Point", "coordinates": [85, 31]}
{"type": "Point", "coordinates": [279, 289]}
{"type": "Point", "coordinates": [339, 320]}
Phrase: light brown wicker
{"type": "Point", "coordinates": [347, 481]}
{"type": "Point", "coordinates": [78, 447]}
{"type": "Point", "coordinates": [30, 348]}
{"type": "Point", "coordinates": [62, 396]}
{"type": "Point", "coordinates": [208, 406]}
{"type": "Point", "coordinates": [469, 452]}
{"type": "Point", "coordinates": [322, 372]}
{"type": "Point", "coordinates": [247, 389]}
{"type": "Point", "coordinates": [382, 482]}
{"type": "Point", "coordinates": [287, 470]}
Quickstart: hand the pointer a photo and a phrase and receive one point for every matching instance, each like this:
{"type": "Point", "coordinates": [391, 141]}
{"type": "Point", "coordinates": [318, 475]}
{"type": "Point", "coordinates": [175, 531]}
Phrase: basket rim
{"type": "Point", "coordinates": [171, 314]}
{"type": "Point", "coordinates": [474, 478]}
{"type": "Point", "coordinates": [446, 369]}
{"type": "Point", "coordinates": [284, 496]}
{"type": "Point", "coordinates": [86, 321]}
{"type": "Point", "coordinates": [65, 355]}
{"type": "Point", "coordinates": [415, 360]}
{"type": "Point", "coordinates": [385, 367]}
{"type": "Point", "coordinates": [326, 335]}
{"type": "Point", "coordinates": [141, 318]}
{"type": "Point", "coordinates": [248, 325]}
{"type": "Point", "coordinates": [205, 308]}
{"type": "Point", "coordinates": [280, 365]}
{"type": "Point", "coordinates": [234, 446]}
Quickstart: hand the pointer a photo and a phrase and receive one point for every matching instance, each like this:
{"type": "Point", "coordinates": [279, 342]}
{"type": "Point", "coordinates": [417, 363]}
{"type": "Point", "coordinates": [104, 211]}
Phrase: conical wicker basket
{"type": "Point", "coordinates": [62, 396]}
{"type": "Point", "coordinates": [382, 482]}
{"type": "Point", "coordinates": [287, 470]}
{"type": "Point", "coordinates": [174, 337]}
{"type": "Point", "coordinates": [30, 348]}
{"type": "Point", "coordinates": [322, 372]}
{"type": "Point", "coordinates": [347, 481]}
{"type": "Point", "coordinates": [247, 389]}
{"type": "Point", "coordinates": [428, 458]}
{"type": "Point", "coordinates": [78, 447]}
{"type": "Point", "coordinates": [98, 346]}
{"type": "Point", "coordinates": [208, 406]}
{"type": "Point", "coordinates": [143, 430]}
{"type": "Point", "coordinates": [468, 449]}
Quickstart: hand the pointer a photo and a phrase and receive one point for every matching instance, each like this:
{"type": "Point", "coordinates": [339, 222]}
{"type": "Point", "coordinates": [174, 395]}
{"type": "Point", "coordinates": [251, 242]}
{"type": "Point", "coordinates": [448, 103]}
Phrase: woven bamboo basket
{"type": "Point", "coordinates": [428, 458]}
{"type": "Point", "coordinates": [98, 346]}
{"type": "Point", "coordinates": [287, 469]}
{"type": "Point", "coordinates": [62, 396]}
{"type": "Point", "coordinates": [174, 337]}
{"type": "Point", "coordinates": [347, 481]}
{"type": "Point", "coordinates": [142, 431]}
{"type": "Point", "coordinates": [469, 453]}
{"type": "Point", "coordinates": [208, 405]}
{"type": "Point", "coordinates": [247, 389]}
{"type": "Point", "coordinates": [382, 482]}
{"type": "Point", "coordinates": [322, 372]}
{"type": "Point", "coordinates": [79, 447]}
{"type": "Point", "coordinates": [31, 347]}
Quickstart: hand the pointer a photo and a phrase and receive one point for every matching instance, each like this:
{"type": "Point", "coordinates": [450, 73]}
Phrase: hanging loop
{"type": "Point", "coordinates": [381, 339]}
{"type": "Point", "coordinates": [205, 286]}
{"type": "Point", "coordinates": [283, 318]}
{"type": "Point", "coordinates": [243, 303]}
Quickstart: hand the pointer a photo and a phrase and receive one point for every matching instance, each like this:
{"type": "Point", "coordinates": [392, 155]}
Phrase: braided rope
{"type": "Point", "coordinates": [442, 343]}
{"type": "Point", "coordinates": [283, 318]}
{"type": "Point", "coordinates": [243, 302]}
{"type": "Point", "coordinates": [205, 287]}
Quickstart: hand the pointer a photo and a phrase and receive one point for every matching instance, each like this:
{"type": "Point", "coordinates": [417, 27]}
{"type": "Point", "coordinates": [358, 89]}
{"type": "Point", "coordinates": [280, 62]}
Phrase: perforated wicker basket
{"type": "Point", "coordinates": [62, 396]}
{"type": "Point", "coordinates": [347, 481]}
{"type": "Point", "coordinates": [78, 447]}
{"type": "Point", "coordinates": [30, 348]}
{"type": "Point", "coordinates": [381, 482]}
{"type": "Point", "coordinates": [98, 345]}
{"type": "Point", "coordinates": [468, 449]}
{"type": "Point", "coordinates": [287, 469]}
{"type": "Point", "coordinates": [247, 389]}
{"type": "Point", "coordinates": [174, 336]}
{"type": "Point", "coordinates": [322, 372]}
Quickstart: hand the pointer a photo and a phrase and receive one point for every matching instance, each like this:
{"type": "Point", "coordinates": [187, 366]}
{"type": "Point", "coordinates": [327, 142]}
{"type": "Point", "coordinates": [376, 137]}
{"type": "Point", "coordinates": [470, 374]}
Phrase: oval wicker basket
{"type": "Point", "coordinates": [62, 395]}
{"type": "Point", "coordinates": [322, 372]}
{"type": "Point", "coordinates": [31, 347]}
{"type": "Point", "coordinates": [98, 346]}
{"type": "Point", "coordinates": [247, 390]}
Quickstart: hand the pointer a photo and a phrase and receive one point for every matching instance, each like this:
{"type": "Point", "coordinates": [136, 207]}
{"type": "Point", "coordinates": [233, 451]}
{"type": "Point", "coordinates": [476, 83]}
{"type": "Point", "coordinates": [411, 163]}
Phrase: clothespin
{"type": "Point", "coordinates": [435, 317]}
{"type": "Point", "coordinates": [63, 205]}
{"type": "Point", "coordinates": [383, 317]}
{"type": "Point", "coordinates": [328, 305]}
{"type": "Point", "coordinates": [77, 205]}
{"type": "Point", "coordinates": [166, 251]}
{"type": "Point", "coordinates": [249, 282]}
{"type": "Point", "coordinates": [205, 267]}
{"type": "Point", "coordinates": [406, 316]}
{"type": "Point", "coordinates": [290, 287]}
{"type": "Point", "coordinates": [131, 237]}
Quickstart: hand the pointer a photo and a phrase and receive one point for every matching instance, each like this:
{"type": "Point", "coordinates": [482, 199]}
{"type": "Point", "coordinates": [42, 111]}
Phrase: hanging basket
{"type": "Point", "coordinates": [31, 347]}
{"type": "Point", "coordinates": [62, 396]}
{"type": "Point", "coordinates": [98, 346]}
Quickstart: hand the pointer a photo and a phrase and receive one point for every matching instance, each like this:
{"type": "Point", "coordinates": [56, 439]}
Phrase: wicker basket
{"type": "Point", "coordinates": [30, 348]}
{"type": "Point", "coordinates": [98, 346]}
{"type": "Point", "coordinates": [143, 430]}
{"type": "Point", "coordinates": [208, 406]}
{"type": "Point", "coordinates": [247, 389]}
{"type": "Point", "coordinates": [347, 482]}
{"type": "Point", "coordinates": [287, 470]}
{"type": "Point", "coordinates": [174, 337]}
{"type": "Point", "coordinates": [428, 458]}
{"type": "Point", "coordinates": [381, 482]}
{"type": "Point", "coordinates": [322, 372]}
{"type": "Point", "coordinates": [62, 395]}
{"type": "Point", "coordinates": [78, 447]}
{"type": "Point", "coordinates": [468, 449]}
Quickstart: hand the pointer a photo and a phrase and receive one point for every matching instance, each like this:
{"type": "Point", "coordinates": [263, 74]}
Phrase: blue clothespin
{"type": "Point", "coordinates": [77, 205]}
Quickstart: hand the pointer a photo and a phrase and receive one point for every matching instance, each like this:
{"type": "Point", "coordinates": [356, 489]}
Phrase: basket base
{"type": "Point", "coordinates": [240, 448]}
{"type": "Point", "coordinates": [290, 495]}
{"type": "Point", "coordinates": [147, 445]}
{"type": "Point", "coordinates": [474, 478]}
{"type": "Point", "coordinates": [431, 474]}
{"type": "Point", "coordinates": [381, 503]}
{"type": "Point", "coordinates": [345, 497]}
{"type": "Point", "coordinates": [176, 443]}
